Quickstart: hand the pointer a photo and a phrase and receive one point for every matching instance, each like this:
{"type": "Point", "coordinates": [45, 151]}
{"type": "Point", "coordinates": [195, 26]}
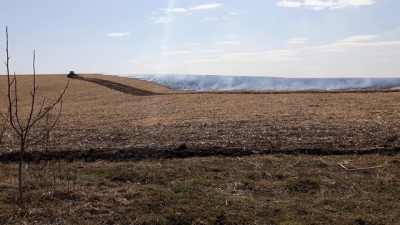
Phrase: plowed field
{"type": "Point", "coordinates": [110, 115]}
{"type": "Point", "coordinates": [132, 152]}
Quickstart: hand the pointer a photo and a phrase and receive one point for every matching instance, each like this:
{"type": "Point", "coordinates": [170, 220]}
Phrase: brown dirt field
{"type": "Point", "coordinates": [310, 157]}
{"type": "Point", "coordinates": [112, 113]}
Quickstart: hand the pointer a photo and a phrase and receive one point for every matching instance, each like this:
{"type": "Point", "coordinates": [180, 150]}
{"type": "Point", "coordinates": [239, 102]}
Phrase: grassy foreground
{"type": "Point", "coordinates": [274, 189]}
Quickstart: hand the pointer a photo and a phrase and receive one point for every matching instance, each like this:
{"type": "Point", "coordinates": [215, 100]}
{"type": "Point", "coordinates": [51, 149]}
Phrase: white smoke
{"type": "Point", "coordinates": [213, 82]}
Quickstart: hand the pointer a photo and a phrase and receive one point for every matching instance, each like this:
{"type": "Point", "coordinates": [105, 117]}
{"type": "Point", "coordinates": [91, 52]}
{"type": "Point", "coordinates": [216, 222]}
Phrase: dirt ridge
{"type": "Point", "coordinates": [145, 153]}
{"type": "Point", "coordinates": [121, 87]}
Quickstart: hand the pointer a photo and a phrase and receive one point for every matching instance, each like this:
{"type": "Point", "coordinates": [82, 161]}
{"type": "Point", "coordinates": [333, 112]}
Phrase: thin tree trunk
{"type": "Point", "coordinates": [21, 160]}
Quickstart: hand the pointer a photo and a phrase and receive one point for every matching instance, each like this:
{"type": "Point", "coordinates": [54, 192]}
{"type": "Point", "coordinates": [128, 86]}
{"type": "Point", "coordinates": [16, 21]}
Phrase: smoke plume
{"type": "Point", "coordinates": [211, 82]}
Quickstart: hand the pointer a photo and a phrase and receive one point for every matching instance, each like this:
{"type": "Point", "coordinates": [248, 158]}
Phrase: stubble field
{"type": "Point", "coordinates": [129, 151]}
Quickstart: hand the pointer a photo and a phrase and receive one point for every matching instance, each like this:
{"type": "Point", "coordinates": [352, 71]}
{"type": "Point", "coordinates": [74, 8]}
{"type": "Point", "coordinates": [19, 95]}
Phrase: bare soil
{"type": "Point", "coordinates": [119, 118]}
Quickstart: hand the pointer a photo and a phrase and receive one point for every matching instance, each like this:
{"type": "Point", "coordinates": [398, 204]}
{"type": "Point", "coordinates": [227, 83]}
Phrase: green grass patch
{"type": "Point", "coordinates": [304, 185]}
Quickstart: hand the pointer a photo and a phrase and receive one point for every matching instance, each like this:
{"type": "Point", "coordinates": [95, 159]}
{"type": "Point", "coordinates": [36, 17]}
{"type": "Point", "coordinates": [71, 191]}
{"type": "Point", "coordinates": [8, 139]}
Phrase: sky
{"type": "Point", "coordinates": [276, 38]}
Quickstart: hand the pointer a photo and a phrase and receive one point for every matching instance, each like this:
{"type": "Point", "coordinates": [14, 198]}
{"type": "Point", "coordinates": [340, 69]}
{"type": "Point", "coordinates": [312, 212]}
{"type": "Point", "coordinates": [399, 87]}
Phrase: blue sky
{"type": "Point", "coordinates": [296, 38]}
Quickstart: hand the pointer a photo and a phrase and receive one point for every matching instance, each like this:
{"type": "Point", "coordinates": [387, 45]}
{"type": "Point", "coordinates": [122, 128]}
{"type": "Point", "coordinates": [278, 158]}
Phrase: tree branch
{"type": "Point", "coordinates": [33, 94]}
{"type": "Point", "coordinates": [16, 102]}
{"type": "Point", "coordinates": [35, 140]}
{"type": "Point", "coordinates": [48, 108]}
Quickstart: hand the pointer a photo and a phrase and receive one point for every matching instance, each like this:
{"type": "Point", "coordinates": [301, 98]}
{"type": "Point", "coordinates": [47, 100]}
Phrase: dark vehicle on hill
{"type": "Point", "coordinates": [72, 74]}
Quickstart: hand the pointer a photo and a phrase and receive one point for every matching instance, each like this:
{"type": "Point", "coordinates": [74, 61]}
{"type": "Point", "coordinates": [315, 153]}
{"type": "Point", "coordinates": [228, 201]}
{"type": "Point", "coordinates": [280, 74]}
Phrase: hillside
{"type": "Point", "coordinates": [95, 116]}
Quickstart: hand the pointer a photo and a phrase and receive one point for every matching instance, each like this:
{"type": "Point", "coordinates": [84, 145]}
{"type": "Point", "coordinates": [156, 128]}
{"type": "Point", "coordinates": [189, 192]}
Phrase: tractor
{"type": "Point", "coordinates": [72, 74]}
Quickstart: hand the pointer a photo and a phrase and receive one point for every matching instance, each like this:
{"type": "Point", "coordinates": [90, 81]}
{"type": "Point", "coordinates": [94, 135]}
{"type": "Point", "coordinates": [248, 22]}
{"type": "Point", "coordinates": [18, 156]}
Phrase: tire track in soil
{"type": "Point", "coordinates": [121, 87]}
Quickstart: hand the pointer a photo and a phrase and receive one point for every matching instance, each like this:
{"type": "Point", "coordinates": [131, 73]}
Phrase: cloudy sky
{"type": "Point", "coordinates": [289, 38]}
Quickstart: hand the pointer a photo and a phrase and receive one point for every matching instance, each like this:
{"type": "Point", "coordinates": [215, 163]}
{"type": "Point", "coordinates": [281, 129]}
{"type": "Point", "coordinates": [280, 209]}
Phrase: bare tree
{"type": "Point", "coordinates": [23, 124]}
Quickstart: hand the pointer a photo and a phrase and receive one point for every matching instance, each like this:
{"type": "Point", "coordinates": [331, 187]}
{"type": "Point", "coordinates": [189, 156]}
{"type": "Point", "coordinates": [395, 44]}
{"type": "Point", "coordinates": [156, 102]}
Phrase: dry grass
{"type": "Point", "coordinates": [248, 190]}
{"type": "Point", "coordinates": [262, 189]}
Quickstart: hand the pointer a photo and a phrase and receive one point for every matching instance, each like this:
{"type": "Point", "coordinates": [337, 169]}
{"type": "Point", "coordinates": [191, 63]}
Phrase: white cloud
{"type": "Point", "coordinates": [133, 61]}
{"type": "Point", "coordinates": [175, 10]}
{"type": "Point", "coordinates": [286, 3]}
{"type": "Point", "coordinates": [377, 44]}
{"type": "Point", "coordinates": [206, 6]}
{"type": "Point", "coordinates": [118, 34]}
{"type": "Point", "coordinates": [166, 19]}
{"type": "Point", "coordinates": [323, 4]}
{"type": "Point", "coordinates": [176, 53]}
{"type": "Point", "coordinates": [297, 40]}
{"type": "Point", "coordinates": [230, 35]}
{"type": "Point", "coordinates": [236, 13]}
{"type": "Point", "coordinates": [229, 42]}
{"type": "Point", "coordinates": [161, 19]}
{"type": "Point", "coordinates": [359, 38]}
{"type": "Point", "coordinates": [354, 41]}
{"type": "Point", "coordinates": [199, 7]}
{"type": "Point", "coordinates": [210, 19]}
